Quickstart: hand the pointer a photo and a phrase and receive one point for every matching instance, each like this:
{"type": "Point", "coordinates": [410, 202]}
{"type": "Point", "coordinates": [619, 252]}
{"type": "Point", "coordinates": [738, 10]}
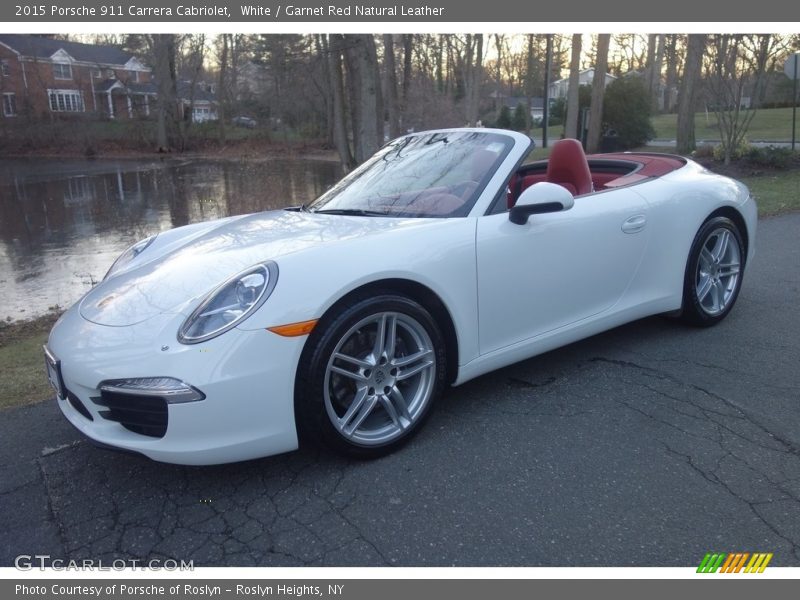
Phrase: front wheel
{"type": "Point", "coordinates": [713, 272]}
{"type": "Point", "coordinates": [373, 371]}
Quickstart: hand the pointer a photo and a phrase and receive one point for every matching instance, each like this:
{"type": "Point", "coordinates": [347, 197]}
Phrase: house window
{"type": "Point", "coordinates": [4, 68]}
{"type": "Point", "coordinates": [110, 74]}
{"type": "Point", "coordinates": [200, 114]}
{"type": "Point", "coordinates": [10, 105]}
{"type": "Point", "coordinates": [135, 76]}
{"type": "Point", "coordinates": [97, 73]}
{"type": "Point", "coordinates": [62, 71]}
{"type": "Point", "coordinates": [65, 100]}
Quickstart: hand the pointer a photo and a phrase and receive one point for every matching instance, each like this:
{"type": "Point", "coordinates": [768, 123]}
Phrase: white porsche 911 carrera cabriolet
{"type": "Point", "coordinates": [441, 258]}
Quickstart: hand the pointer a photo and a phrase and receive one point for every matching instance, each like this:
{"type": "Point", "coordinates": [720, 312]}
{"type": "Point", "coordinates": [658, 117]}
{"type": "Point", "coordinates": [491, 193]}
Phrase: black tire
{"type": "Point", "coordinates": [696, 311]}
{"type": "Point", "coordinates": [320, 394]}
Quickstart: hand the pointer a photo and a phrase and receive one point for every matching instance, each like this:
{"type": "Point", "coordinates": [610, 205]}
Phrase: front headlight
{"type": "Point", "coordinates": [129, 254]}
{"type": "Point", "coordinates": [230, 304]}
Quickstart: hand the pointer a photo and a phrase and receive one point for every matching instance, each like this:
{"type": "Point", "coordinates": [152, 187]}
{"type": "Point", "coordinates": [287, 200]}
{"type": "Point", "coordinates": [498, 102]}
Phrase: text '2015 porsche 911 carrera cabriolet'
{"type": "Point", "coordinates": [441, 258]}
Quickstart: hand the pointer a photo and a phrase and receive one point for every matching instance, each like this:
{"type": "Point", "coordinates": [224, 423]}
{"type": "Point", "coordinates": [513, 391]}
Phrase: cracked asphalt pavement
{"type": "Point", "coordinates": [651, 444]}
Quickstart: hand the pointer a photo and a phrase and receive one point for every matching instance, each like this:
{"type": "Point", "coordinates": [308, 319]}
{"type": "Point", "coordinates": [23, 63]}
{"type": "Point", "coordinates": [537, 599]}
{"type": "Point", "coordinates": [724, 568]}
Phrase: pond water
{"type": "Point", "coordinates": [64, 221]}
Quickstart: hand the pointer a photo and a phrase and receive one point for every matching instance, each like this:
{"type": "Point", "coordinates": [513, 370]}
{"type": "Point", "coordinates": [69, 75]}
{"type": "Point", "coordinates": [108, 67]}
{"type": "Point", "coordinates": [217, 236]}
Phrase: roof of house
{"type": "Point", "coordinates": [582, 72]}
{"type": "Point", "coordinates": [184, 89]}
{"type": "Point", "coordinates": [201, 91]}
{"type": "Point", "coordinates": [122, 87]}
{"type": "Point", "coordinates": [44, 47]}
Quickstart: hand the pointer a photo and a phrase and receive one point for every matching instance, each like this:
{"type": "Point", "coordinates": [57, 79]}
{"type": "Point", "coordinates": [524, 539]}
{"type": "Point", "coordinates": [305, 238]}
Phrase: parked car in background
{"type": "Point", "coordinates": [242, 121]}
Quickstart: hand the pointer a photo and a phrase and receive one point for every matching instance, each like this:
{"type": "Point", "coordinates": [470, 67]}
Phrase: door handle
{"type": "Point", "coordinates": [634, 224]}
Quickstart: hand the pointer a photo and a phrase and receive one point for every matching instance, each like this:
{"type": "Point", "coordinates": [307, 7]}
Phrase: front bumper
{"type": "Point", "coordinates": [247, 378]}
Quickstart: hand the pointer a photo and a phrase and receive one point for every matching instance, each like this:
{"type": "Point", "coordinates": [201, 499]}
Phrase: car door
{"type": "Point", "coordinates": [558, 268]}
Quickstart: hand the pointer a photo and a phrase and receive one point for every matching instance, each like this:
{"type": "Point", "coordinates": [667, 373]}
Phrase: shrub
{"type": "Point", "coordinates": [558, 109]}
{"type": "Point", "coordinates": [518, 122]}
{"type": "Point", "coordinates": [504, 118]}
{"type": "Point", "coordinates": [626, 110]}
{"type": "Point", "coordinates": [738, 152]}
{"type": "Point", "coordinates": [771, 157]}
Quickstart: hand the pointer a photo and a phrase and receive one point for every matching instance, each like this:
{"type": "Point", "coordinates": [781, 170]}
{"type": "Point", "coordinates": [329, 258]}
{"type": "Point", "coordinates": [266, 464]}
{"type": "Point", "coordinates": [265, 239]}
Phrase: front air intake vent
{"type": "Point", "coordinates": [142, 414]}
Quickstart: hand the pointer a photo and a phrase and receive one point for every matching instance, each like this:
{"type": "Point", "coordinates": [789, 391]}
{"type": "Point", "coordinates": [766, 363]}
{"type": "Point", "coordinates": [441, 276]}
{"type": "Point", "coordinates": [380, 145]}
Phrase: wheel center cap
{"type": "Point", "coordinates": [379, 377]}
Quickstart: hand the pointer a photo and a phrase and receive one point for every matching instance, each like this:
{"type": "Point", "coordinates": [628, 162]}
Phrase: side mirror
{"type": "Point", "coordinates": [542, 197]}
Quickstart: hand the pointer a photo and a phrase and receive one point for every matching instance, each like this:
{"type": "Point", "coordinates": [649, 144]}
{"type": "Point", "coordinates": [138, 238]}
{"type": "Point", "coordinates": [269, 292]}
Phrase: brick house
{"type": "Point", "coordinates": [40, 75]}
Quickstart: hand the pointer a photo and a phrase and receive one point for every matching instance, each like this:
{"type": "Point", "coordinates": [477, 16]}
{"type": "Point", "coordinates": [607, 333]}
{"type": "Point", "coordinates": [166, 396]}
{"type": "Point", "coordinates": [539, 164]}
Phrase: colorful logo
{"type": "Point", "coordinates": [734, 562]}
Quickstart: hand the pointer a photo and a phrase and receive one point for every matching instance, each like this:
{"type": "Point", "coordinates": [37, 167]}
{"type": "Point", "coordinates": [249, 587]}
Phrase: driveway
{"type": "Point", "coordinates": [651, 444]}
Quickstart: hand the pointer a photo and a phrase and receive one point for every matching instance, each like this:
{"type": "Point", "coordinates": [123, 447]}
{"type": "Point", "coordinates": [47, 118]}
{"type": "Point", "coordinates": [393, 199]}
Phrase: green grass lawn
{"type": "Point", "coordinates": [22, 362]}
{"type": "Point", "coordinates": [773, 124]}
{"type": "Point", "coordinates": [775, 192]}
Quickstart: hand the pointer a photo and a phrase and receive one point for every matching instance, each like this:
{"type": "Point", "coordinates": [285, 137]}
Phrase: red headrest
{"type": "Point", "coordinates": [482, 160]}
{"type": "Point", "coordinates": [568, 167]}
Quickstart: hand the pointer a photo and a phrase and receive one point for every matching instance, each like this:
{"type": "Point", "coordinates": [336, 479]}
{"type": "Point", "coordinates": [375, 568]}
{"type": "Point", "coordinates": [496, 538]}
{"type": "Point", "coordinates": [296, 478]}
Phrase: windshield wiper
{"type": "Point", "coordinates": [358, 212]}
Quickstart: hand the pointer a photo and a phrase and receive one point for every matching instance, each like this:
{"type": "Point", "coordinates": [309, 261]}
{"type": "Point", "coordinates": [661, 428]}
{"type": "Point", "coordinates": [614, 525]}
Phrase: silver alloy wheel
{"type": "Point", "coordinates": [718, 270]}
{"type": "Point", "coordinates": [379, 378]}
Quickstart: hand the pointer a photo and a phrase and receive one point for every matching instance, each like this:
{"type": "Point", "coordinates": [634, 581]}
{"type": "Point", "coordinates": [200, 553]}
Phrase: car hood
{"type": "Point", "coordinates": [176, 272]}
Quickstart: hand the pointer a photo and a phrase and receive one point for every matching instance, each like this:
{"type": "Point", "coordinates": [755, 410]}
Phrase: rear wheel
{"type": "Point", "coordinates": [373, 372]}
{"type": "Point", "coordinates": [713, 272]}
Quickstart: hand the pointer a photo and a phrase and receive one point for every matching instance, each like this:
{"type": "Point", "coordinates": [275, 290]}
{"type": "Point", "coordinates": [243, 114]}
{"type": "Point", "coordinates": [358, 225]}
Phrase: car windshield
{"type": "Point", "coordinates": [436, 174]}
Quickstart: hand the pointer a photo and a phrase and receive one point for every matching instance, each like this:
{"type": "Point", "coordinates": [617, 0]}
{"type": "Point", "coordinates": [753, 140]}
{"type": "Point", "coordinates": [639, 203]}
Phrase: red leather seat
{"type": "Point", "coordinates": [568, 167]}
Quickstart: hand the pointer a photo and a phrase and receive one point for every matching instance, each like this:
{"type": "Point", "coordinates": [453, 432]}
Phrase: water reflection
{"type": "Point", "coordinates": [63, 222]}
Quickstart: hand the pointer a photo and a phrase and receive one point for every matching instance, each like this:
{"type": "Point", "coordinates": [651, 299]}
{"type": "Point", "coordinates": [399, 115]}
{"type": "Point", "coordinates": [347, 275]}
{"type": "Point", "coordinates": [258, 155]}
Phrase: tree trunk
{"type": "Point", "coordinates": [390, 85]}
{"type": "Point", "coordinates": [323, 50]}
{"type": "Point", "coordinates": [571, 123]}
{"type": "Point", "coordinates": [473, 69]}
{"type": "Point", "coordinates": [686, 98]}
{"type": "Point", "coordinates": [598, 93]}
{"type": "Point", "coordinates": [672, 72]}
{"type": "Point", "coordinates": [340, 138]}
{"type": "Point", "coordinates": [168, 129]}
{"type": "Point", "coordinates": [222, 87]}
{"type": "Point", "coordinates": [651, 60]}
{"type": "Point", "coordinates": [529, 84]}
{"type": "Point", "coordinates": [408, 49]}
{"type": "Point", "coordinates": [498, 76]}
{"type": "Point", "coordinates": [655, 81]}
{"type": "Point", "coordinates": [365, 99]}
{"type": "Point", "coordinates": [439, 60]}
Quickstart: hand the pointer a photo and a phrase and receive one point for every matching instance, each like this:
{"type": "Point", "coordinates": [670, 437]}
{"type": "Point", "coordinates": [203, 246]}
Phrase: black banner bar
{"type": "Point", "coordinates": [732, 588]}
{"type": "Point", "coordinates": [410, 11]}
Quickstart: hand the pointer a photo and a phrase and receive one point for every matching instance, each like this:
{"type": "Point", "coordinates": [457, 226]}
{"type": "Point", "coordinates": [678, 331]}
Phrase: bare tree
{"type": "Point", "coordinates": [571, 123]}
{"type": "Point", "coordinates": [598, 93]}
{"type": "Point", "coordinates": [686, 98]}
{"type": "Point", "coordinates": [735, 77]}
